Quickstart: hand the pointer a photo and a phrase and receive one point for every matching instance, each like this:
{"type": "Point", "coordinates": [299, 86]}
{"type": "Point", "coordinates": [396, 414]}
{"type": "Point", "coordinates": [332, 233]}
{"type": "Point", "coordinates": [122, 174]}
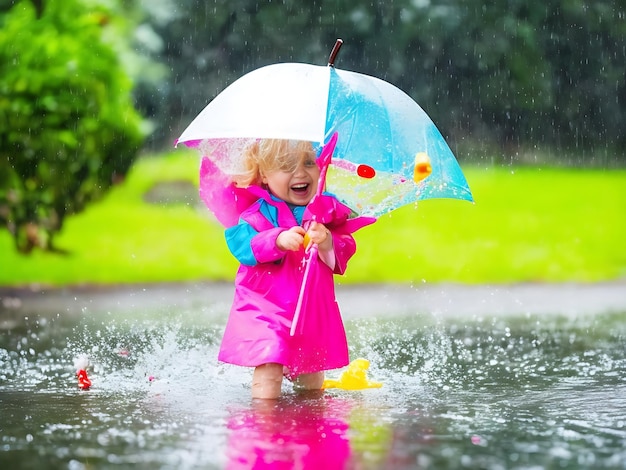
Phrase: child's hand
{"type": "Point", "coordinates": [318, 233]}
{"type": "Point", "coordinates": [291, 240]}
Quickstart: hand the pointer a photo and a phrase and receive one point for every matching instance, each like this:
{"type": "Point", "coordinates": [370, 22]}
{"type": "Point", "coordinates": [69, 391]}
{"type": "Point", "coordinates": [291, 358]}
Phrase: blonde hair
{"type": "Point", "coordinates": [269, 155]}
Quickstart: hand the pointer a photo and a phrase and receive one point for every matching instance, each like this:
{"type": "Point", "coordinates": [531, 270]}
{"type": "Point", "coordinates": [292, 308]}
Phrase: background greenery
{"type": "Point", "coordinates": [527, 225]}
{"type": "Point", "coordinates": [530, 95]}
{"type": "Point", "coordinates": [68, 126]}
{"type": "Point", "coordinates": [509, 75]}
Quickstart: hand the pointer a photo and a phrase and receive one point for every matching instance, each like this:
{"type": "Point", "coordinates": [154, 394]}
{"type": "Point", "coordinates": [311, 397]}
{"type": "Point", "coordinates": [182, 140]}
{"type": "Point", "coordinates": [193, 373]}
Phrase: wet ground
{"type": "Point", "coordinates": [524, 377]}
{"type": "Point", "coordinates": [355, 301]}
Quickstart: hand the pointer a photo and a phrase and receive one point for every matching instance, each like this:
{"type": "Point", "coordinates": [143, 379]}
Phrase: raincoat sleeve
{"type": "Point", "coordinates": [250, 246]}
{"type": "Point", "coordinates": [264, 246]}
{"type": "Point", "coordinates": [344, 247]}
{"type": "Point", "coordinates": [328, 210]}
{"type": "Point", "coordinates": [328, 257]}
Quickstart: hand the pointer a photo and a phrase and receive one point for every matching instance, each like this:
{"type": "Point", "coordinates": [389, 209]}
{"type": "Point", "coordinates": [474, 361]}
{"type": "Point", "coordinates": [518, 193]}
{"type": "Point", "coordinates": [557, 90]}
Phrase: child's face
{"type": "Point", "coordinates": [294, 187]}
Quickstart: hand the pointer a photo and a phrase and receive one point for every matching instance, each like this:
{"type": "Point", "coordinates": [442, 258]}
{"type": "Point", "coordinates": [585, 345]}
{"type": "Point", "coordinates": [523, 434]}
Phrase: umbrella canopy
{"type": "Point", "coordinates": [383, 135]}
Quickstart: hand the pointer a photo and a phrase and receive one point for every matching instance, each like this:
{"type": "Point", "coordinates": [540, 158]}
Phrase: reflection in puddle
{"type": "Point", "coordinates": [488, 392]}
{"type": "Point", "coordinates": [290, 433]}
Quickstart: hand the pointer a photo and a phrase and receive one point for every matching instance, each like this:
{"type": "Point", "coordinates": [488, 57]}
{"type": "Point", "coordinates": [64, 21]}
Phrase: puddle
{"type": "Point", "coordinates": [464, 387]}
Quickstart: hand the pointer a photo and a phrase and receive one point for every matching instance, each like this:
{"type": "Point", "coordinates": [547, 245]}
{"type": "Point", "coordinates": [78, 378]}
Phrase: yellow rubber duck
{"type": "Point", "coordinates": [353, 378]}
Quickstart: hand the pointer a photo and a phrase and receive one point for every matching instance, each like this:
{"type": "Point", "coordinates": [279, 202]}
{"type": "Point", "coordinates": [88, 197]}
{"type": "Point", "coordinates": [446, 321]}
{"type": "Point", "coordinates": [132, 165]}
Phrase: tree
{"type": "Point", "coordinates": [68, 128]}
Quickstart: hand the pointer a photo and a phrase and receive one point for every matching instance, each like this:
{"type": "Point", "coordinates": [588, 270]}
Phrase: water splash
{"type": "Point", "coordinates": [484, 391]}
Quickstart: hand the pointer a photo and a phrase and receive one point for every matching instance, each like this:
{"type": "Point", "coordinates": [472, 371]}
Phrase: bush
{"type": "Point", "coordinates": [68, 129]}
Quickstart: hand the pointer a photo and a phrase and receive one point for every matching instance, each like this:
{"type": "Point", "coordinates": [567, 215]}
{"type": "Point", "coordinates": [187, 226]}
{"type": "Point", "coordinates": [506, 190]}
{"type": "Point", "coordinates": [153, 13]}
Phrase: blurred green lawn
{"type": "Point", "coordinates": [527, 224]}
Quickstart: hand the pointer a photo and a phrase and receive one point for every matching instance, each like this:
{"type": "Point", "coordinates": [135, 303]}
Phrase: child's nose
{"type": "Point", "coordinates": [299, 169]}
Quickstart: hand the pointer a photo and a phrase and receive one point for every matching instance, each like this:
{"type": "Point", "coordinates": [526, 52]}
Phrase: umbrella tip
{"type": "Point", "coordinates": [334, 52]}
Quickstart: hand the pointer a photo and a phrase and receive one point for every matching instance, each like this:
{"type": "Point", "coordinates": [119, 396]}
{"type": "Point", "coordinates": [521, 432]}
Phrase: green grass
{"type": "Point", "coordinates": [528, 224]}
{"type": "Point", "coordinates": [124, 239]}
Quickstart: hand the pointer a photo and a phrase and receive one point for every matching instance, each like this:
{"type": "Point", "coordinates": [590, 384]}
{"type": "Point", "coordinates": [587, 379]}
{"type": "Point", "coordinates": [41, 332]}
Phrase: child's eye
{"type": "Point", "coordinates": [309, 163]}
{"type": "Point", "coordinates": [288, 167]}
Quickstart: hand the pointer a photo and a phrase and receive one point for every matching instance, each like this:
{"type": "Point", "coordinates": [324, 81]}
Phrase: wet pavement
{"type": "Point", "coordinates": [516, 376]}
{"type": "Point", "coordinates": [446, 300]}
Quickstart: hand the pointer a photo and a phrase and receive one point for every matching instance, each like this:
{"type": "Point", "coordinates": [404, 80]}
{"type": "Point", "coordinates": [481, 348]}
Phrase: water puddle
{"type": "Point", "coordinates": [460, 391]}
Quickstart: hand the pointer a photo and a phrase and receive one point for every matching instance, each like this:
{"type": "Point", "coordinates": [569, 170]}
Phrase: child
{"type": "Point", "coordinates": [268, 242]}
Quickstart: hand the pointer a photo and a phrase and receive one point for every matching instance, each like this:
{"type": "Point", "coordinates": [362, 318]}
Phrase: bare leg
{"type": "Point", "coordinates": [310, 381]}
{"type": "Point", "coordinates": [266, 381]}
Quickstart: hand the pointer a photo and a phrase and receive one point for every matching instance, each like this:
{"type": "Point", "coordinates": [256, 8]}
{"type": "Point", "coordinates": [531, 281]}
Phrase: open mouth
{"type": "Point", "coordinates": [300, 188]}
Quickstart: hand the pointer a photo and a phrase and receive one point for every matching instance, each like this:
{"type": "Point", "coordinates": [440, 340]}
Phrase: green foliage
{"type": "Point", "coordinates": [541, 74]}
{"type": "Point", "coordinates": [527, 225]}
{"type": "Point", "coordinates": [513, 76]}
{"type": "Point", "coordinates": [68, 129]}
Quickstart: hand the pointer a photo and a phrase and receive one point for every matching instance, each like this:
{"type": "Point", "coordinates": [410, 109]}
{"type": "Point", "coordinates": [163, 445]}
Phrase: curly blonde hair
{"type": "Point", "coordinates": [268, 155]}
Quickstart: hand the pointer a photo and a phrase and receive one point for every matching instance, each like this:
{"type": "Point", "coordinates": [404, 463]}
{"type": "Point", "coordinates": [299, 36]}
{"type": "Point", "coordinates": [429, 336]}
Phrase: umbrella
{"type": "Point", "coordinates": [384, 136]}
{"type": "Point", "coordinates": [387, 151]}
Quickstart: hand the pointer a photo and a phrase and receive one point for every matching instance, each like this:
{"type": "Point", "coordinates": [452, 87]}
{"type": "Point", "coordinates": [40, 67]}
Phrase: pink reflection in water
{"type": "Point", "coordinates": [303, 433]}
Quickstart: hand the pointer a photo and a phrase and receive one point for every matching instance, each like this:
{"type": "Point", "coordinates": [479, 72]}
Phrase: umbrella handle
{"type": "Point", "coordinates": [334, 52]}
{"type": "Point", "coordinates": [326, 156]}
{"type": "Point", "coordinates": [303, 287]}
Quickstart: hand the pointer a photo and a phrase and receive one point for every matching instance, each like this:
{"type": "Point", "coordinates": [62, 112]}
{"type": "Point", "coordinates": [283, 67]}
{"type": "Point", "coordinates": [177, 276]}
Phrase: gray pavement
{"type": "Point", "coordinates": [446, 300]}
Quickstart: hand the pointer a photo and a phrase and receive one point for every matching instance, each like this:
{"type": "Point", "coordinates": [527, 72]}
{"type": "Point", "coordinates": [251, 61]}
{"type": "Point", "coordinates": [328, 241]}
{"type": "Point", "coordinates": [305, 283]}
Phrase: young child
{"type": "Point", "coordinates": [268, 242]}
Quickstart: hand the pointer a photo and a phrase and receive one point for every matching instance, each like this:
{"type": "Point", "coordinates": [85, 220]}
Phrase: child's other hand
{"type": "Point", "coordinates": [291, 240]}
{"type": "Point", "coordinates": [318, 233]}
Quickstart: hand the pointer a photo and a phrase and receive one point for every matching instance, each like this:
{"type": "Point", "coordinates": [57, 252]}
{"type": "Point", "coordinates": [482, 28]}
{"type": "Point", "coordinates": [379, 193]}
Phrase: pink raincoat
{"type": "Point", "coordinates": [267, 286]}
